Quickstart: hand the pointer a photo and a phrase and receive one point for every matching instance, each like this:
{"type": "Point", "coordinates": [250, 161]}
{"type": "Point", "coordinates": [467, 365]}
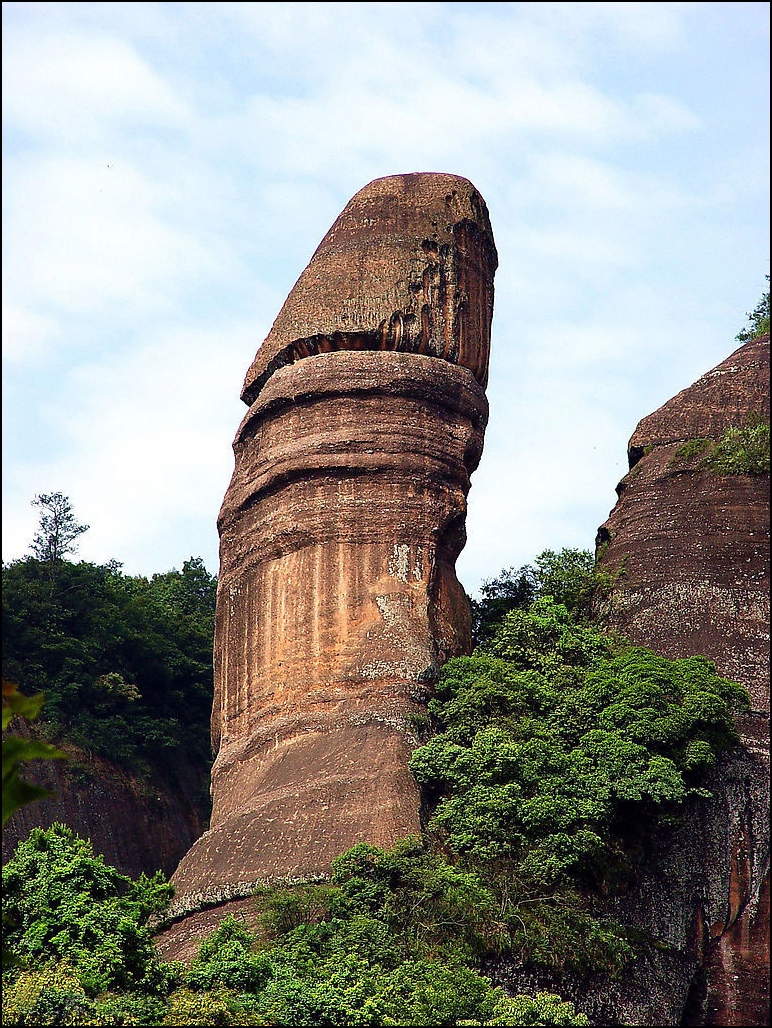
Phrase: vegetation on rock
{"type": "Point", "coordinates": [569, 576]}
{"type": "Point", "coordinates": [555, 732]}
{"type": "Point", "coordinates": [392, 940]}
{"type": "Point", "coordinates": [740, 450]}
{"type": "Point", "coordinates": [557, 749]}
{"type": "Point", "coordinates": [758, 319]}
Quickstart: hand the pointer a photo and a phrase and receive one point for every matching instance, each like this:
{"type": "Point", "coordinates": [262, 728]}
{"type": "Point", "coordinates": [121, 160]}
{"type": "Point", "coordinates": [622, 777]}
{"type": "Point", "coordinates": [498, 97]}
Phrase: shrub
{"type": "Point", "coordinates": [63, 901]}
{"type": "Point", "coordinates": [549, 740]}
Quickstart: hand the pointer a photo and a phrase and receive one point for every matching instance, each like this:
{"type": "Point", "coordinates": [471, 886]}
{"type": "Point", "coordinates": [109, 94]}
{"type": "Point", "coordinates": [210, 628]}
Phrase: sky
{"type": "Point", "coordinates": [169, 169]}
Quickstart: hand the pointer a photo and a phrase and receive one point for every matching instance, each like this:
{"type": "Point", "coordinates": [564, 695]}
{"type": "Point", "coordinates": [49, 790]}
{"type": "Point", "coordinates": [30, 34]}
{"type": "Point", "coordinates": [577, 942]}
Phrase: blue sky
{"type": "Point", "coordinates": [168, 170]}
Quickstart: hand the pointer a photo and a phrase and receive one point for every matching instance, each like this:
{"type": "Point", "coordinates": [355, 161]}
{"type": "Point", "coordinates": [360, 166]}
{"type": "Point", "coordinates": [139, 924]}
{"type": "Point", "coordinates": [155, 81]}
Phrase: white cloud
{"type": "Point", "coordinates": [76, 87]}
{"type": "Point", "coordinates": [147, 440]}
{"type": "Point", "coordinates": [91, 238]}
{"type": "Point", "coordinates": [27, 335]}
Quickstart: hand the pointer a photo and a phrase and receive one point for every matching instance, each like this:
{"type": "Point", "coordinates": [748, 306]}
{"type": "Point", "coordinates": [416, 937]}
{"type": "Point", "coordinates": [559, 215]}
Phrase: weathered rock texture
{"type": "Point", "coordinates": [337, 597]}
{"type": "Point", "coordinates": [693, 547]}
{"type": "Point", "coordinates": [139, 824]}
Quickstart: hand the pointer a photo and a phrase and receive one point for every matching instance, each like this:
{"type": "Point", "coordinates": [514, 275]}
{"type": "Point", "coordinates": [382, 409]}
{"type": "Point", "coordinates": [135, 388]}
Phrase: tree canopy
{"type": "Point", "coordinates": [551, 735]}
{"type": "Point", "coordinates": [117, 656]}
{"type": "Point", "coordinates": [58, 530]}
{"type": "Point", "coordinates": [569, 576]}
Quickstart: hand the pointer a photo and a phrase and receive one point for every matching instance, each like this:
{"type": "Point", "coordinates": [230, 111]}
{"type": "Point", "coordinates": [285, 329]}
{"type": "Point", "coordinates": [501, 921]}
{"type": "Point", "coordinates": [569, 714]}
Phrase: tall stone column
{"type": "Point", "coordinates": [338, 599]}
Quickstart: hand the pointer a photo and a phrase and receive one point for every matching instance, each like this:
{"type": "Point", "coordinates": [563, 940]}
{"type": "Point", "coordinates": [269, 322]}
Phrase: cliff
{"type": "Point", "coordinates": [139, 823]}
{"type": "Point", "coordinates": [690, 549]}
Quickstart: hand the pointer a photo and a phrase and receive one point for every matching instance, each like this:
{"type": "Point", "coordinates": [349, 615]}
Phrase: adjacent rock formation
{"type": "Point", "coordinates": [692, 547]}
{"type": "Point", "coordinates": [695, 544]}
{"type": "Point", "coordinates": [138, 823]}
{"type": "Point", "coordinates": [337, 598]}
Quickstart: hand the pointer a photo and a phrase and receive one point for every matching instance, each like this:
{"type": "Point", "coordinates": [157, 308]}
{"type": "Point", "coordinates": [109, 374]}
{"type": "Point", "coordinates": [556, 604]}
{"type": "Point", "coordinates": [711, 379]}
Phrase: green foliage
{"type": "Point", "coordinates": [347, 970]}
{"type": "Point", "coordinates": [16, 791]}
{"type": "Point", "coordinates": [740, 450]}
{"type": "Point", "coordinates": [555, 932]}
{"type": "Point", "coordinates": [63, 902]}
{"type": "Point", "coordinates": [692, 448]}
{"type": "Point", "coordinates": [569, 576]}
{"type": "Point", "coordinates": [392, 940]}
{"type": "Point", "coordinates": [389, 941]}
{"type": "Point", "coordinates": [127, 1009]}
{"type": "Point", "coordinates": [54, 995]}
{"type": "Point", "coordinates": [118, 657]}
{"type": "Point", "coordinates": [510, 590]}
{"type": "Point", "coordinates": [430, 907]}
{"type": "Point", "coordinates": [543, 1009]}
{"type": "Point", "coordinates": [17, 750]}
{"type": "Point", "coordinates": [557, 743]}
{"type": "Point", "coordinates": [758, 319]}
{"type": "Point", "coordinates": [186, 1007]}
{"type": "Point", "coordinates": [49, 996]}
{"type": "Point", "coordinates": [225, 960]}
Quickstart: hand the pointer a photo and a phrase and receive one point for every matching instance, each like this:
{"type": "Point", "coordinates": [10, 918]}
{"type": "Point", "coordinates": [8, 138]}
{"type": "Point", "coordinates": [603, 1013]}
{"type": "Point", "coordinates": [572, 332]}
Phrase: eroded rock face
{"type": "Point", "coordinates": [408, 265]}
{"type": "Point", "coordinates": [337, 597]}
{"type": "Point", "coordinates": [140, 824]}
{"type": "Point", "coordinates": [693, 548]}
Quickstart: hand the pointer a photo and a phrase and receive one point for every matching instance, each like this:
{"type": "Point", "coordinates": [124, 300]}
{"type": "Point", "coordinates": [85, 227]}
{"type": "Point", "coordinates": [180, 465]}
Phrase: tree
{"type": "Point", "coordinates": [558, 745]}
{"type": "Point", "coordinates": [758, 319]}
{"type": "Point", "coordinates": [569, 576]}
{"type": "Point", "coordinates": [117, 656]}
{"type": "Point", "coordinates": [58, 531]}
{"type": "Point", "coordinates": [510, 590]}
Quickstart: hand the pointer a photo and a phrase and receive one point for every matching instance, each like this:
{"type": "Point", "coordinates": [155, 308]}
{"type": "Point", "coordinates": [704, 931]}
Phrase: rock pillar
{"type": "Point", "coordinates": [338, 599]}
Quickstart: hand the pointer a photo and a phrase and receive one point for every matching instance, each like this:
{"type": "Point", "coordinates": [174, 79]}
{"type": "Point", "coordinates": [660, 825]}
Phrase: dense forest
{"type": "Point", "coordinates": [117, 656]}
{"type": "Point", "coordinates": [549, 757]}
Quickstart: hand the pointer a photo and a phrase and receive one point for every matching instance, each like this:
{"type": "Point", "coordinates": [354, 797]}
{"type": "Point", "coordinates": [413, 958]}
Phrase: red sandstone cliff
{"type": "Point", "coordinates": [138, 824]}
{"type": "Point", "coordinates": [693, 550]}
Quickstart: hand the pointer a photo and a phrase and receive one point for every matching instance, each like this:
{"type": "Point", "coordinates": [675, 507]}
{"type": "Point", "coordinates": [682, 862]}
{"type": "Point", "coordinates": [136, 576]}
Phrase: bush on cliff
{"type": "Point", "coordinates": [558, 744]}
{"type": "Point", "coordinates": [63, 902]}
{"type": "Point", "coordinates": [393, 939]}
{"type": "Point", "coordinates": [362, 962]}
{"type": "Point", "coordinates": [758, 319]}
{"type": "Point", "coordinates": [739, 450]}
{"type": "Point", "coordinates": [569, 576]}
